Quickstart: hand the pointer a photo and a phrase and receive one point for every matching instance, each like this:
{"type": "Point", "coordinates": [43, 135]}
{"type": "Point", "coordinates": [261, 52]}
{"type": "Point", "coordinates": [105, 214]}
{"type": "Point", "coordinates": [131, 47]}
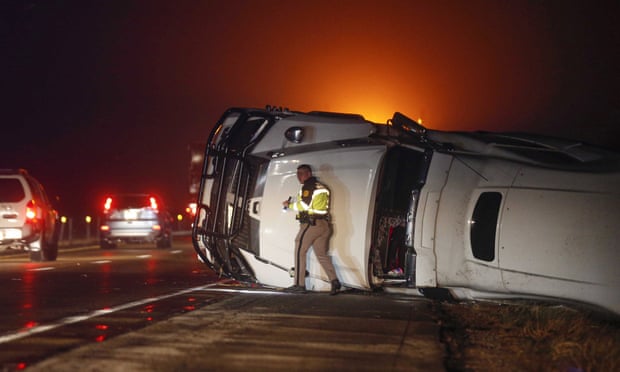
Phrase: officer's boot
{"type": "Point", "coordinates": [335, 287]}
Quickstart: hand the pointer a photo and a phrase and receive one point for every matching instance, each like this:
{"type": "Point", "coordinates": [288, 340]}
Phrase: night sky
{"type": "Point", "coordinates": [104, 96]}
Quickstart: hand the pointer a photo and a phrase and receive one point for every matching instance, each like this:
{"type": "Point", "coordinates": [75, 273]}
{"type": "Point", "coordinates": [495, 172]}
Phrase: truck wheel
{"type": "Point", "coordinates": [374, 281]}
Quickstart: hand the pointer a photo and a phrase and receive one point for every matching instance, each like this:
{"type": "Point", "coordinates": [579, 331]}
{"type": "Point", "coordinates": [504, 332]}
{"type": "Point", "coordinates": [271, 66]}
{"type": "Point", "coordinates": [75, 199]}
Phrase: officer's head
{"type": "Point", "coordinates": [304, 172]}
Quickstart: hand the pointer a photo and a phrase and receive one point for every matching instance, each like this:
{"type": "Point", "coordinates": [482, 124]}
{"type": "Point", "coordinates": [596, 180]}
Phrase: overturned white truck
{"type": "Point", "coordinates": [472, 215]}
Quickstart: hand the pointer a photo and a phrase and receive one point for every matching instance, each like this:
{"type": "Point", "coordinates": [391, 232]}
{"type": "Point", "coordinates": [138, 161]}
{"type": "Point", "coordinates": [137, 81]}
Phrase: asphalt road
{"type": "Point", "coordinates": [138, 308]}
{"type": "Point", "coordinates": [272, 331]}
{"type": "Point", "coordinates": [90, 295]}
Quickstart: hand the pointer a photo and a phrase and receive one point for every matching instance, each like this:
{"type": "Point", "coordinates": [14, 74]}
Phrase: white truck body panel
{"type": "Point", "coordinates": [350, 175]}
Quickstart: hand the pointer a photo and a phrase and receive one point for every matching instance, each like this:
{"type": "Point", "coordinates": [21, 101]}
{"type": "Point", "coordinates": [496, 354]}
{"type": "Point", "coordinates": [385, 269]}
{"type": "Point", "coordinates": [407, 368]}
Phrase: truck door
{"type": "Point", "coordinates": [402, 176]}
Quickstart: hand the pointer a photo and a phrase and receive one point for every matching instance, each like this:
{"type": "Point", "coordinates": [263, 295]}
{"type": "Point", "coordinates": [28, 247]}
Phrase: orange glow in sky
{"type": "Point", "coordinates": [457, 65]}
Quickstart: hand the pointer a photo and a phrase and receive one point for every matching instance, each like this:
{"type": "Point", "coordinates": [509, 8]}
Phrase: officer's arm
{"type": "Point", "coordinates": [299, 205]}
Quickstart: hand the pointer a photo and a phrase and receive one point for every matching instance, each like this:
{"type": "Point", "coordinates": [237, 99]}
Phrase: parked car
{"type": "Point", "coordinates": [135, 218]}
{"type": "Point", "coordinates": [28, 221]}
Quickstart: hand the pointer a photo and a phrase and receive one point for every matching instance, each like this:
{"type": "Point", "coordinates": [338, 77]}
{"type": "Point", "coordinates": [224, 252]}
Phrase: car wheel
{"type": "Point", "coordinates": [44, 249]}
{"type": "Point", "coordinates": [104, 244]}
{"type": "Point", "coordinates": [50, 253]}
{"type": "Point", "coordinates": [36, 256]}
{"type": "Point", "coordinates": [164, 242]}
{"type": "Point", "coordinates": [50, 248]}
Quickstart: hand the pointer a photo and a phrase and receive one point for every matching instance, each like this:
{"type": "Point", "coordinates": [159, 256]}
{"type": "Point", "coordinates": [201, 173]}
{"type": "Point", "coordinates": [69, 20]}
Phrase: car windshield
{"type": "Point", "coordinates": [11, 190]}
{"type": "Point", "coordinates": [131, 201]}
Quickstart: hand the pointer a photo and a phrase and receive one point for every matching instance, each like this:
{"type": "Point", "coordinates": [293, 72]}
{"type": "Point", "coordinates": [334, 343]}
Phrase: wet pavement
{"type": "Point", "coordinates": [271, 330]}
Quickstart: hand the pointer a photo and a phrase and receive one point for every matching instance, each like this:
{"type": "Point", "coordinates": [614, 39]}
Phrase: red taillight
{"type": "Point", "coordinates": [153, 202]}
{"type": "Point", "coordinates": [104, 228]}
{"type": "Point", "coordinates": [157, 227]}
{"type": "Point", "coordinates": [107, 205]}
{"type": "Point", "coordinates": [191, 209]}
{"type": "Point", "coordinates": [31, 211]}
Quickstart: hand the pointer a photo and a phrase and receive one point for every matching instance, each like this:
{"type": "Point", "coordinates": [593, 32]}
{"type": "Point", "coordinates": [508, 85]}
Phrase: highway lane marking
{"type": "Point", "coordinates": [101, 262]}
{"type": "Point", "coordinates": [42, 268]}
{"type": "Point", "coordinates": [20, 255]}
{"type": "Point", "coordinates": [25, 332]}
{"type": "Point", "coordinates": [144, 256]}
{"type": "Point", "coordinates": [253, 291]}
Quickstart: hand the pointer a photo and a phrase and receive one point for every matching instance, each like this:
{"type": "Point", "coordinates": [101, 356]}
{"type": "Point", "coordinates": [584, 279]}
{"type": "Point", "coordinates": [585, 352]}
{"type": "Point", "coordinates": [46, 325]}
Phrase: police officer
{"type": "Point", "coordinates": [312, 207]}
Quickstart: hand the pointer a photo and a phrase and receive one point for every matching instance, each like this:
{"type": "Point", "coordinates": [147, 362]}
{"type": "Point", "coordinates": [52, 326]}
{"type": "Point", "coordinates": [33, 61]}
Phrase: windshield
{"type": "Point", "coordinates": [11, 190]}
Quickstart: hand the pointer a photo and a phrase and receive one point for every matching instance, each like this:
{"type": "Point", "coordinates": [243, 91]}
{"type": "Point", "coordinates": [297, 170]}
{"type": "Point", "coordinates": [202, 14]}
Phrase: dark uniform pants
{"type": "Point", "coordinates": [317, 236]}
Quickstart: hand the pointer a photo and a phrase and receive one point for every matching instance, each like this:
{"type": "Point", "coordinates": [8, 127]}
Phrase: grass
{"type": "Point", "coordinates": [490, 336]}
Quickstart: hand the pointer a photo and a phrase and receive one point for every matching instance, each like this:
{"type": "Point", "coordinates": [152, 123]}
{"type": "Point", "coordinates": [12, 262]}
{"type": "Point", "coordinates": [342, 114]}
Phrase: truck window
{"type": "Point", "coordinates": [483, 225]}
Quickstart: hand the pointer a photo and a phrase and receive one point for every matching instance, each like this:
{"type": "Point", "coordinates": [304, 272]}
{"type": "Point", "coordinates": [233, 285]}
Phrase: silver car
{"type": "Point", "coordinates": [27, 219]}
{"type": "Point", "coordinates": [134, 218]}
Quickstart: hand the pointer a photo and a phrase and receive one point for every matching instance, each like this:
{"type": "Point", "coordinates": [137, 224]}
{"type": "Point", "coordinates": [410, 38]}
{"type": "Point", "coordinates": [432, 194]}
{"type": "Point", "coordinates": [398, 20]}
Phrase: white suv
{"type": "Point", "coordinates": [27, 219]}
{"type": "Point", "coordinates": [135, 218]}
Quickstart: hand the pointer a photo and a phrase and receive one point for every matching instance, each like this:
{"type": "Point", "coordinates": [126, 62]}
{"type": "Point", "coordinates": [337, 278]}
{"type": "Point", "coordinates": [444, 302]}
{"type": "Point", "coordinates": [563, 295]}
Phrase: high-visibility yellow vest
{"type": "Point", "coordinates": [313, 198]}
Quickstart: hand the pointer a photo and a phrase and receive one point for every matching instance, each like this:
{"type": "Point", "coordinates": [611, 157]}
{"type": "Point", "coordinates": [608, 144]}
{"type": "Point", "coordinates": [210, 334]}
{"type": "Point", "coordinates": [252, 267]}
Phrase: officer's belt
{"type": "Point", "coordinates": [310, 218]}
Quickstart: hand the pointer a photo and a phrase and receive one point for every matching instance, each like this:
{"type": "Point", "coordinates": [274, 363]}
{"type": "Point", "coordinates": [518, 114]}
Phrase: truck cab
{"type": "Point", "coordinates": [413, 210]}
